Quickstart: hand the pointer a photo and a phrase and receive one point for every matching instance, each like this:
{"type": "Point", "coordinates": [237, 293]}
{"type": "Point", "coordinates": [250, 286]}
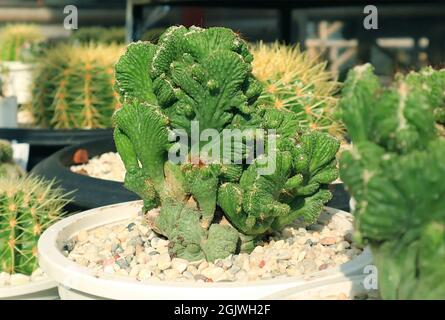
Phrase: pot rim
{"type": "Point", "coordinates": [72, 275]}
{"type": "Point", "coordinates": [28, 288]}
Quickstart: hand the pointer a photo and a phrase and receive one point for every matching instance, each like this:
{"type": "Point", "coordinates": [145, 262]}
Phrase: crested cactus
{"type": "Point", "coordinates": [18, 40]}
{"type": "Point", "coordinates": [7, 167]}
{"type": "Point", "coordinates": [395, 172]}
{"type": "Point", "coordinates": [27, 207]}
{"type": "Point", "coordinates": [209, 208]}
{"type": "Point", "coordinates": [73, 87]}
{"type": "Point", "coordinates": [298, 83]}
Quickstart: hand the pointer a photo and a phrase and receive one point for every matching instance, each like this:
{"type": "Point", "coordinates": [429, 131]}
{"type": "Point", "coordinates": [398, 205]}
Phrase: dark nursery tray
{"type": "Point", "coordinates": [88, 192]}
{"type": "Point", "coordinates": [44, 142]}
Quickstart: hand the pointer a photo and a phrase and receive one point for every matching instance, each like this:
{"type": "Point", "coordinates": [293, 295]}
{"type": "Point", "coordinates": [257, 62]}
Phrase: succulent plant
{"type": "Point", "coordinates": [211, 209]}
{"type": "Point", "coordinates": [97, 34]}
{"type": "Point", "coordinates": [18, 40]}
{"type": "Point", "coordinates": [73, 87]}
{"type": "Point", "coordinates": [7, 167]}
{"type": "Point", "coordinates": [27, 207]}
{"type": "Point", "coordinates": [395, 172]}
{"type": "Point", "coordinates": [299, 83]}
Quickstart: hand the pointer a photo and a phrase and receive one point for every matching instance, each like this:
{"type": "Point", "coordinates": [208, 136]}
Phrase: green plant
{"type": "Point", "coordinates": [99, 35]}
{"type": "Point", "coordinates": [297, 82]}
{"type": "Point", "coordinates": [395, 172]}
{"type": "Point", "coordinates": [210, 209]}
{"type": "Point", "coordinates": [18, 41]}
{"type": "Point", "coordinates": [27, 207]}
{"type": "Point", "coordinates": [73, 87]}
{"type": "Point", "coordinates": [7, 167]}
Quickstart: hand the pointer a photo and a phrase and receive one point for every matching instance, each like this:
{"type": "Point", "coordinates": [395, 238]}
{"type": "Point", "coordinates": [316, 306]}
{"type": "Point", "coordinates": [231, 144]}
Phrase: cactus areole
{"type": "Point", "coordinates": [200, 80]}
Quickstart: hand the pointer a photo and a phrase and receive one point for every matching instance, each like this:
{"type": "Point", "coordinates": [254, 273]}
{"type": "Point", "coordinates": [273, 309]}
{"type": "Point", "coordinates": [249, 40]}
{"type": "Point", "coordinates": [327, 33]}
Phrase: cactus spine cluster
{"type": "Point", "coordinates": [395, 172]}
{"type": "Point", "coordinates": [27, 207]}
{"type": "Point", "coordinates": [18, 39]}
{"type": "Point", "coordinates": [73, 87]}
{"type": "Point", "coordinates": [296, 82]}
{"type": "Point", "coordinates": [210, 209]}
{"type": "Point", "coordinates": [7, 167]}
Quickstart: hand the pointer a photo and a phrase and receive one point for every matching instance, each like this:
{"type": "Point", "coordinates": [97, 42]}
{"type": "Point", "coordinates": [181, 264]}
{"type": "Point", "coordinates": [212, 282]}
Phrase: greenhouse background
{"type": "Point", "coordinates": [222, 150]}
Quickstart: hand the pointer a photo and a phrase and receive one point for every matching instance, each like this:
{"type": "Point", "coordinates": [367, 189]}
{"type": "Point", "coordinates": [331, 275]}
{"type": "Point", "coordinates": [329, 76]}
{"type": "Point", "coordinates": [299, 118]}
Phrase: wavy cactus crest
{"type": "Point", "coordinates": [297, 82]}
{"type": "Point", "coordinates": [212, 209]}
{"type": "Point", "coordinates": [27, 207]}
{"type": "Point", "coordinates": [395, 172]}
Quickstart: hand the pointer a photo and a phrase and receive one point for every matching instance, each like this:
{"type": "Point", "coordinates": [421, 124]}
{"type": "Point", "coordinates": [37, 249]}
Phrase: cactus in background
{"type": "Point", "coordinates": [296, 82]}
{"type": "Point", "coordinates": [99, 35]}
{"type": "Point", "coordinates": [211, 208]}
{"type": "Point", "coordinates": [395, 172]}
{"type": "Point", "coordinates": [27, 207]}
{"type": "Point", "coordinates": [73, 87]}
{"type": "Point", "coordinates": [7, 167]}
{"type": "Point", "coordinates": [18, 41]}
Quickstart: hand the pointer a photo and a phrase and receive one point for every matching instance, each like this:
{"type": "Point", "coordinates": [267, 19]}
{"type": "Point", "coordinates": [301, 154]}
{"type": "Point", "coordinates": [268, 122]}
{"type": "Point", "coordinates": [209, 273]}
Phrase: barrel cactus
{"type": "Point", "coordinates": [299, 83]}
{"type": "Point", "coordinates": [27, 207]}
{"type": "Point", "coordinates": [18, 41]}
{"type": "Point", "coordinates": [7, 167]}
{"type": "Point", "coordinates": [73, 87]}
{"type": "Point", "coordinates": [210, 207]}
{"type": "Point", "coordinates": [395, 172]}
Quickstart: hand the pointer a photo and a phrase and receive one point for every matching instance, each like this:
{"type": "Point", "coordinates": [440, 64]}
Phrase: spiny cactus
{"type": "Point", "coordinates": [27, 207]}
{"type": "Point", "coordinates": [17, 41]}
{"type": "Point", "coordinates": [395, 172]}
{"type": "Point", "coordinates": [212, 208]}
{"type": "Point", "coordinates": [7, 167]}
{"type": "Point", "coordinates": [73, 87]}
{"type": "Point", "coordinates": [296, 82]}
{"type": "Point", "coordinates": [99, 35]}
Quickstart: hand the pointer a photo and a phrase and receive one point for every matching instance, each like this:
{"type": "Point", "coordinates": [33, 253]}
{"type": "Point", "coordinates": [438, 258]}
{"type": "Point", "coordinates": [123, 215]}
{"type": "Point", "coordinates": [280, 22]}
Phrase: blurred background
{"type": "Point", "coordinates": [410, 34]}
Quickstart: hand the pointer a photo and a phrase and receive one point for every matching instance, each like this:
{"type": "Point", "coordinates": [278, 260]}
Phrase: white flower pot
{"type": "Point", "coordinates": [8, 112]}
{"type": "Point", "coordinates": [45, 289]}
{"type": "Point", "coordinates": [78, 282]}
{"type": "Point", "coordinates": [16, 78]}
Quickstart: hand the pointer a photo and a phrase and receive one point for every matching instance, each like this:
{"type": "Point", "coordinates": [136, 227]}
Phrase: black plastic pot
{"type": "Point", "coordinates": [88, 192]}
{"type": "Point", "coordinates": [340, 197]}
{"type": "Point", "coordinates": [44, 142]}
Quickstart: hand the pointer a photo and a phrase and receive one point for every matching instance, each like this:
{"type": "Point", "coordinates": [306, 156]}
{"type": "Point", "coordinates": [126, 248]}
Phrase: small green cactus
{"type": "Point", "coordinates": [73, 87]}
{"type": "Point", "coordinates": [7, 167]}
{"type": "Point", "coordinates": [18, 41]}
{"type": "Point", "coordinates": [27, 207]}
{"type": "Point", "coordinates": [296, 82]}
{"type": "Point", "coordinates": [209, 209]}
{"type": "Point", "coordinates": [395, 172]}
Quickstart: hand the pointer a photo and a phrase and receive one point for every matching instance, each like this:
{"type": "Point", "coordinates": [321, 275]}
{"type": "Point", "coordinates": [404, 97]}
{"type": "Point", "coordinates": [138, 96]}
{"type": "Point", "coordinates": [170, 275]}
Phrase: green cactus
{"type": "Point", "coordinates": [73, 87]}
{"type": "Point", "coordinates": [210, 209]}
{"type": "Point", "coordinates": [395, 172]}
{"type": "Point", "coordinates": [299, 83]}
{"type": "Point", "coordinates": [18, 41]}
{"type": "Point", "coordinates": [7, 166]}
{"type": "Point", "coordinates": [27, 207]}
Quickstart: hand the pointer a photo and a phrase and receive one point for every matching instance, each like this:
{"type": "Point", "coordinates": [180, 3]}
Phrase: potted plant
{"type": "Point", "coordinates": [394, 172]}
{"type": "Point", "coordinates": [28, 205]}
{"type": "Point", "coordinates": [291, 80]}
{"type": "Point", "coordinates": [18, 43]}
{"type": "Point", "coordinates": [211, 212]}
{"type": "Point", "coordinates": [73, 99]}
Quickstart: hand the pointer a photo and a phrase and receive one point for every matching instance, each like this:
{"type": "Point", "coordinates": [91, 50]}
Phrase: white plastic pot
{"type": "Point", "coordinates": [78, 282]}
{"type": "Point", "coordinates": [45, 289]}
{"type": "Point", "coordinates": [16, 78]}
{"type": "Point", "coordinates": [8, 112]}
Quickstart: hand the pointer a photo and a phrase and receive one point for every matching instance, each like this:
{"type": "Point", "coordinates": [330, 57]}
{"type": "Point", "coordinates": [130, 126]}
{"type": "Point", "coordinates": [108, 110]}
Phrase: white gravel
{"type": "Point", "coordinates": [107, 166]}
{"type": "Point", "coordinates": [17, 279]}
{"type": "Point", "coordinates": [131, 249]}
